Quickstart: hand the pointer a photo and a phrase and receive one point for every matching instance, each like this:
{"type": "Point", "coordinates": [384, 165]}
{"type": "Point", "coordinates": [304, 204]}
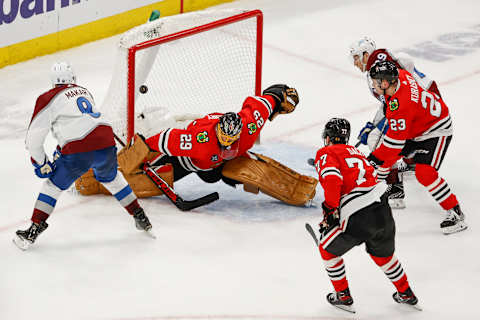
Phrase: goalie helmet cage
{"type": "Point", "coordinates": [184, 67]}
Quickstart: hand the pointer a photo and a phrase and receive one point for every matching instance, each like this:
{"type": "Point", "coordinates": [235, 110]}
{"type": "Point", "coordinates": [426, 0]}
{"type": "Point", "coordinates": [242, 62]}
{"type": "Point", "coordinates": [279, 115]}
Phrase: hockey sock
{"type": "Point", "coordinates": [335, 269]}
{"type": "Point", "coordinates": [394, 271]}
{"type": "Point", "coordinates": [436, 185]}
{"type": "Point", "coordinates": [46, 201]}
{"type": "Point", "coordinates": [122, 191]}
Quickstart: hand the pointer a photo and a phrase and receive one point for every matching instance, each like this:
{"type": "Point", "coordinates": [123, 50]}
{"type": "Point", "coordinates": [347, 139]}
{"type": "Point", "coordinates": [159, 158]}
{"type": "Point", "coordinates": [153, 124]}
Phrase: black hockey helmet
{"type": "Point", "coordinates": [384, 70]}
{"type": "Point", "coordinates": [338, 130]}
{"type": "Point", "coordinates": [229, 128]}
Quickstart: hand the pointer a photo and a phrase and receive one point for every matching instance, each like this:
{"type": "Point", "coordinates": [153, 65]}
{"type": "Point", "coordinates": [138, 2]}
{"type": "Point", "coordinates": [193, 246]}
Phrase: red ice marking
{"type": "Point", "coordinates": [56, 211]}
{"type": "Point", "coordinates": [237, 316]}
{"type": "Point", "coordinates": [361, 110]}
{"type": "Point", "coordinates": [351, 74]}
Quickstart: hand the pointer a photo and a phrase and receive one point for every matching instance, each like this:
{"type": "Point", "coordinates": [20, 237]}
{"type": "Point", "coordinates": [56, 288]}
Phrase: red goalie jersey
{"type": "Point", "coordinates": [413, 114]}
{"type": "Point", "coordinates": [197, 146]}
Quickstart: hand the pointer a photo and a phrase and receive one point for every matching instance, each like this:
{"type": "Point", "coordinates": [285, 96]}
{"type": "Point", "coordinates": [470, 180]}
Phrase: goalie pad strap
{"type": "Point", "coordinates": [141, 185]}
{"type": "Point", "coordinates": [272, 178]}
{"type": "Point", "coordinates": [130, 160]}
{"type": "Point", "coordinates": [131, 157]}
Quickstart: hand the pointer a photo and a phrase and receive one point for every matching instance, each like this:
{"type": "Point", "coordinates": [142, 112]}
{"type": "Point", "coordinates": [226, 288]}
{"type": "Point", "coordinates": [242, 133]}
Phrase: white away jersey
{"type": "Point", "coordinates": [69, 112]}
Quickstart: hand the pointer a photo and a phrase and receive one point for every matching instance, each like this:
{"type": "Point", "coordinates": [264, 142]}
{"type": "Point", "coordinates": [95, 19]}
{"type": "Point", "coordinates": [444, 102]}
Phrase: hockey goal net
{"type": "Point", "coordinates": [182, 67]}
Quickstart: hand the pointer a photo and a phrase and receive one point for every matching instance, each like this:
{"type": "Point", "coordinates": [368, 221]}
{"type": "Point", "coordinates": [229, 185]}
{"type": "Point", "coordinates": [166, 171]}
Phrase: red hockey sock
{"type": "Point", "coordinates": [436, 185]}
{"type": "Point", "coordinates": [132, 207]}
{"type": "Point", "coordinates": [39, 216]}
{"type": "Point", "coordinates": [393, 270]}
{"type": "Point", "coordinates": [335, 269]}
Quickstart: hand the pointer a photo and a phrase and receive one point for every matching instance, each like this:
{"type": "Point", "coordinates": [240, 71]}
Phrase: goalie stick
{"type": "Point", "coordinates": [179, 202]}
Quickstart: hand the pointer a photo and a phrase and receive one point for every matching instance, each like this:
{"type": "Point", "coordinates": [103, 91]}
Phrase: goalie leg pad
{"type": "Point", "coordinates": [141, 185]}
{"type": "Point", "coordinates": [272, 178]}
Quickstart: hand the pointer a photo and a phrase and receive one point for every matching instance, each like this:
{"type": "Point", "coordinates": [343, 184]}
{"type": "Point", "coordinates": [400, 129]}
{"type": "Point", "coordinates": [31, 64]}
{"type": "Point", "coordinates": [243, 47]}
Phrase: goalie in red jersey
{"type": "Point", "coordinates": [208, 142]}
{"type": "Point", "coordinates": [355, 211]}
{"type": "Point", "coordinates": [420, 128]}
{"type": "Point", "coordinates": [216, 147]}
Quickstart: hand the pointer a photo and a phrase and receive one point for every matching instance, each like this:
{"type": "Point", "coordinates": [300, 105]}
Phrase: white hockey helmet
{"type": "Point", "coordinates": [365, 44]}
{"type": "Point", "coordinates": [62, 73]}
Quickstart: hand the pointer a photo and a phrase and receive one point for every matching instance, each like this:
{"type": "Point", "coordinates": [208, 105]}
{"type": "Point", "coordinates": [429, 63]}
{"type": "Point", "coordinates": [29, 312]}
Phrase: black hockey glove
{"type": "Point", "coordinates": [286, 99]}
{"type": "Point", "coordinates": [374, 161]}
{"type": "Point", "coordinates": [331, 219]}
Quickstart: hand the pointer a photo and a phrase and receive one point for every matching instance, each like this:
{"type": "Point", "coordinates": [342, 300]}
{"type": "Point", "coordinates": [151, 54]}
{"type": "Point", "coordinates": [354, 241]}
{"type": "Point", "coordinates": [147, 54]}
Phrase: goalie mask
{"type": "Point", "coordinates": [338, 130]}
{"type": "Point", "coordinates": [229, 128]}
{"type": "Point", "coordinates": [62, 73]}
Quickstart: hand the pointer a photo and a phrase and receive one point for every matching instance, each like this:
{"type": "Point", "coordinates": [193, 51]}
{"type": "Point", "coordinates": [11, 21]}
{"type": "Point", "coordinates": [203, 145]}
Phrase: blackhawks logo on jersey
{"type": "Point", "coordinates": [202, 137]}
{"type": "Point", "coordinates": [394, 104]}
{"type": "Point", "coordinates": [252, 128]}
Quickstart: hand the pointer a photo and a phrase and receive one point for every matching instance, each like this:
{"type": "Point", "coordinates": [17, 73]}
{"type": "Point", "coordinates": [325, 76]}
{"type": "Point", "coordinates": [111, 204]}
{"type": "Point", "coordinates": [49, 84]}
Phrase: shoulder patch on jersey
{"type": "Point", "coordinates": [202, 137]}
{"type": "Point", "coordinates": [252, 128]}
{"type": "Point", "coordinates": [214, 158]}
{"type": "Point", "coordinates": [394, 104]}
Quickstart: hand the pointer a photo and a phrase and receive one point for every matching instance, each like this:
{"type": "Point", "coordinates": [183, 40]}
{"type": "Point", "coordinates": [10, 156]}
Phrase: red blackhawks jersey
{"type": "Point", "coordinates": [413, 114]}
{"type": "Point", "coordinates": [402, 61]}
{"type": "Point", "coordinates": [197, 146]}
{"type": "Point", "coordinates": [348, 180]}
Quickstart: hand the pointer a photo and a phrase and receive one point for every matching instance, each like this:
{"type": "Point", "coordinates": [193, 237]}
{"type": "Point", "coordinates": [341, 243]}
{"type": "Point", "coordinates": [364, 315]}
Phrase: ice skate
{"type": "Point", "coordinates": [407, 298]}
{"type": "Point", "coordinates": [25, 238]}
{"type": "Point", "coordinates": [454, 222]}
{"type": "Point", "coordinates": [141, 220]}
{"type": "Point", "coordinates": [396, 196]}
{"type": "Point", "coordinates": [341, 300]}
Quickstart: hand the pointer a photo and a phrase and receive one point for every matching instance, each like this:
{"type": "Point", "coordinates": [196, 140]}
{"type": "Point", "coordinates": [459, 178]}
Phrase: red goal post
{"type": "Point", "coordinates": [209, 67]}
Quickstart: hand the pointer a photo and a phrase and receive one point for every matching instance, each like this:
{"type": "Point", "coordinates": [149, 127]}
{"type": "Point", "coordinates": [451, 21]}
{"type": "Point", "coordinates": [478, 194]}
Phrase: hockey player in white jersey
{"type": "Point", "coordinates": [85, 140]}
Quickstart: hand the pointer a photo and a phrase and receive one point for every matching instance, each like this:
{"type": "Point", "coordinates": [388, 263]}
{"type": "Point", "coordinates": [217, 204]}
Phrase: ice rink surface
{"type": "Point", "coordinates": [247, 256]}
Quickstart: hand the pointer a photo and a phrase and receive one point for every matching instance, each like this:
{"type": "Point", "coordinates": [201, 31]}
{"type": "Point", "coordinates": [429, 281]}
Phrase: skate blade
{"type": "Point", "coordinates": [396, 203]}
{"type": "Point", "coordinates": [22, 244]}
{"type": "Point", "coordinates": [454, 229]}
{"type": "Point", "coordinates": [412, 306]}
{"type": "Point", "coordinates": [150, 234]}
{"type": "Point", "coordinates": [343, 307]}
{"type": "Point", "coordinates": [417, 307]}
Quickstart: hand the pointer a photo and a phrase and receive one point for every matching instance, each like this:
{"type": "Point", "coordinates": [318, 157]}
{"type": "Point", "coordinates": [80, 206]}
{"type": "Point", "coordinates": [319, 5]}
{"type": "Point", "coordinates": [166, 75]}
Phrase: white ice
{"type": "Point", "coordinates": [248, 256]}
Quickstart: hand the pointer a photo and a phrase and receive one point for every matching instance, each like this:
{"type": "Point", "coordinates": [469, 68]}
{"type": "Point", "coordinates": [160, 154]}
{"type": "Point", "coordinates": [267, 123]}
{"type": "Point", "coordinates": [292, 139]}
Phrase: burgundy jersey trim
{"type": "Point", "coordinates": [100, 138]}
{"type": "Point", "coordinates": [44, 99]}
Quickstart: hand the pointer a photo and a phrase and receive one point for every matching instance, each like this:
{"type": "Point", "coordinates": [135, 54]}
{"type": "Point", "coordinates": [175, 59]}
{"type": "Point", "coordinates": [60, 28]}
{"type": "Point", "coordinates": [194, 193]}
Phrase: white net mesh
{"type": "Point", "coordinates": [211, 71]}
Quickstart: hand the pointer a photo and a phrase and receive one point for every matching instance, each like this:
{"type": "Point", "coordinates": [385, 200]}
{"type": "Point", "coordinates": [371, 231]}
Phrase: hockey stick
{"type": "Point", "coordinates": [311, 162]}
{"type": "Point", "coordinates": [312, 233]}
{"type": "Point", "coordinates": [119, 140]}
{"type": "Point", "coordinates": [184, 205]}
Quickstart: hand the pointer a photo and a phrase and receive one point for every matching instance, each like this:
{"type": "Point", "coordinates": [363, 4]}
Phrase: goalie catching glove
{"type": "Point", "coordinates": [286, 99]}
